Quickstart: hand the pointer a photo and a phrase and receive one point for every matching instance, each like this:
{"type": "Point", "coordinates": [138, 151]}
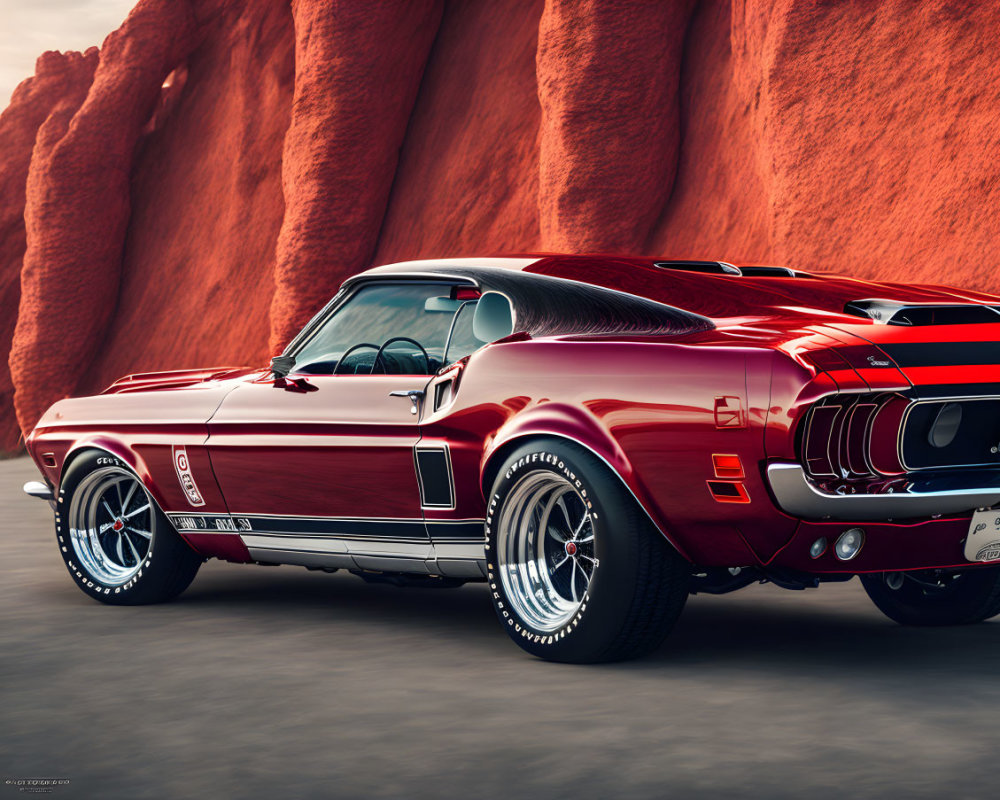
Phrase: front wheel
{"type": "Point", "coordinates": [118, 545]}
{"type": "Point", "coordinates": [577, 573]}
{"type": "Point", "coordinates": [936, 597]}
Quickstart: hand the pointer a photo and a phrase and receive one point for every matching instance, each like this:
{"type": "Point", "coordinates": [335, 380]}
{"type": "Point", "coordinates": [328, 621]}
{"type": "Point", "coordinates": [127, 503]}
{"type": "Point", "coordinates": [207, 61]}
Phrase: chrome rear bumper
{"type": "Point", "coordinates": [921, 498]}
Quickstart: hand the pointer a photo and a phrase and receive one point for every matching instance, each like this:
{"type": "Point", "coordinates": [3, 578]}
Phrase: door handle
{"type": "Point", "coordinates": [415, 395]}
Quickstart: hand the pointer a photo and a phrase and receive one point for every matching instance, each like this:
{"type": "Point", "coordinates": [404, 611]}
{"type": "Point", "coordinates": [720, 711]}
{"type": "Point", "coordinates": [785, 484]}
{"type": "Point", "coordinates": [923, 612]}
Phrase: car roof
{"type": "Point", "coordinates": [713, 289]}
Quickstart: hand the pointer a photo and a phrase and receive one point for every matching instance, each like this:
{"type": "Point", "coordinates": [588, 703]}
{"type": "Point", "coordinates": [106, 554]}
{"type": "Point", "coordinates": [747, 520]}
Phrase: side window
{"type": "Point", "coordinates": [391, 328]}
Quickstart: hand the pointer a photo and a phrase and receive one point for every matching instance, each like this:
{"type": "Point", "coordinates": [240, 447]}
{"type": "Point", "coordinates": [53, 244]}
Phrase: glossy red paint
{"type": "Point", "coordinates": [653, 408]}
{"type": "Point", "coordinates": [341, 446]}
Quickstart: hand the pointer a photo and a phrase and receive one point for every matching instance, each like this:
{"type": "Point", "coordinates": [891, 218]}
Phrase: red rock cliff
{"type": "Point", "coordinates": [228, 163]}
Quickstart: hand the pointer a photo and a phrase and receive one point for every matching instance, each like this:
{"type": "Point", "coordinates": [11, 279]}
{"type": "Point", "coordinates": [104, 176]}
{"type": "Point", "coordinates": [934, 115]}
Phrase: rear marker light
{"type": "Point", "coordinates": [849, 544]}
{"type": "Point", "coordinates": [727, 466]}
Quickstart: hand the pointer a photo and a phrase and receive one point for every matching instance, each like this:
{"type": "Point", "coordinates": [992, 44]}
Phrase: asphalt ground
{"type": "Point", "coordinates": [282, 683]}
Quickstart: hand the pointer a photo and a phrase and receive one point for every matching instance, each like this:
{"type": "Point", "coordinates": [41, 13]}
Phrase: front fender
{"type": "Point", "coordinates": [113, 447]}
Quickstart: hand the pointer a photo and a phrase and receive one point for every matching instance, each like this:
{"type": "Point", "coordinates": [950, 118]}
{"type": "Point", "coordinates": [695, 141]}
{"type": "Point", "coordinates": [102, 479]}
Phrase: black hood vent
{"type": "Point", "coordinates": [725, 268]}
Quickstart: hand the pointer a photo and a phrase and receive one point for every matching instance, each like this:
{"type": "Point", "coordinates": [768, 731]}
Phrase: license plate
{"type": "Point", "coordinates": [983, 542]}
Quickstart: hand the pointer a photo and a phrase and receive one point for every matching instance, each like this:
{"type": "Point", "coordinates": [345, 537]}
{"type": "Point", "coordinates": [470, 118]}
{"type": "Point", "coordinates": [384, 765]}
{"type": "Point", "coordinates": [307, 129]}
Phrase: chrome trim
{"type": "Point", "coordinates": [460, 551]}
{"type": "Point", "coordinates": [294, 543]}
{"type": "Point", "coordinates": [795, 495]}
{"type": "Point", "coordinates": [416, 397]}
{"type": "Point", "coordinates": [453, 560]}
{"type": "Point", "coordinates": [301, 558]}
{"type": "Point", "coordinates": [39, 490]}
{"type": "Point", "coordinates": [460, 568]}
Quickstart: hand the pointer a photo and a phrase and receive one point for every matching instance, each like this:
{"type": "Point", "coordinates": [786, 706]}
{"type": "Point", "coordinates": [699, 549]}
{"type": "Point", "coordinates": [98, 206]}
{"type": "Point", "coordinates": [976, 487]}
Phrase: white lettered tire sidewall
{"type": "Point", "coordinates": [595, 619]}
{"type": "Point", "coordinates": [168, 563]}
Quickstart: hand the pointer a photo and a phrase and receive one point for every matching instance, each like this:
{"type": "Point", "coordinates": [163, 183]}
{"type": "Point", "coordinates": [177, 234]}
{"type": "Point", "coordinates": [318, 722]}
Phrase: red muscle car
{"type": "Point", "coordinates": [594, 437]}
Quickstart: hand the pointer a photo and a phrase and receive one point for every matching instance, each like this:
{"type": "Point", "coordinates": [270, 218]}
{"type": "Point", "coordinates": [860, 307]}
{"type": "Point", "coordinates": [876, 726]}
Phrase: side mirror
{"type": "Point", "coordinates": [282, 365]}
{"type": "Point", "coordinates": [493, 318]}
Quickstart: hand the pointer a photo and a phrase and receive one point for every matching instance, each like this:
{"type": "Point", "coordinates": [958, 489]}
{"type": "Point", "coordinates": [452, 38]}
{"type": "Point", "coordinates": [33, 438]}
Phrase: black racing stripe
{"type": "Point", "coordinates": [447, 531]}
{"type": "Point", "coordinates": [943, 354]}
{"type": "Point", "coordinates": [340, 537]}
{"type": "Point", "coordinates": [956, 390]}
{"type": "Point", "coordinates": [434, 472]}
{"type": "Point", "coordinates": [378, 528]}
{"type": "Point", "coordinates": [414, 530]}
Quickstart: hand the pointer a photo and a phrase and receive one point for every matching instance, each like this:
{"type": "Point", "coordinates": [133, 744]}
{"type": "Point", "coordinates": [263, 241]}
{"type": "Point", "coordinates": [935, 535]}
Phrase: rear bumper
{"type": "Point", "coordinates": [923, 497]}
{"type": "Point", "coordinates": [41, 491]}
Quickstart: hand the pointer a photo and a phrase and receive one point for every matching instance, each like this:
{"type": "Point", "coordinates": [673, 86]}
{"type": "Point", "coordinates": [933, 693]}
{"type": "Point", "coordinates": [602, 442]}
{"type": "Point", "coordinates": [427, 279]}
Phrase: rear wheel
{"type": "Point", "coordinates": [117, 544]}
{"type": "Point", "coordinates": [577, 572]}
{"type": "Point", "coordinates": [936, 597]}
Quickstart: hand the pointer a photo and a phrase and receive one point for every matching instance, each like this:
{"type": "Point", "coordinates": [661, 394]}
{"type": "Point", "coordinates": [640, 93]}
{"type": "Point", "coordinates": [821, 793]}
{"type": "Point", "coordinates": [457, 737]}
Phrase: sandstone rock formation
{"type": "Point", "coordinates": [54, 93]}
{"type": "Point", "coordinates": [229, 163]}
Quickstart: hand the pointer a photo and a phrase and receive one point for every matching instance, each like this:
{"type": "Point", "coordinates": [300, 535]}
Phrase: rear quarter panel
{"type": "Point", "coordinates": [647, 407]}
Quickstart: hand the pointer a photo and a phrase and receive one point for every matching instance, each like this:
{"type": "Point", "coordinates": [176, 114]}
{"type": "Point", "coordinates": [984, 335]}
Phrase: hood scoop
{"type": "Point", "coordinates": [893, 312]}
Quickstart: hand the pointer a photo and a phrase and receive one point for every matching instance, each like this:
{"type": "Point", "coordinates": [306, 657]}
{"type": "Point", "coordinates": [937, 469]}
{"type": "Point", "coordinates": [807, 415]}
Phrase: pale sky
{"type": "Point", "coordinates": [30, 27]}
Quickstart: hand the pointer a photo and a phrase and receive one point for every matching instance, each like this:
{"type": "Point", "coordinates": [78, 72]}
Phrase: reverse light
{"type": "Point", "coordinates": [849, 544]}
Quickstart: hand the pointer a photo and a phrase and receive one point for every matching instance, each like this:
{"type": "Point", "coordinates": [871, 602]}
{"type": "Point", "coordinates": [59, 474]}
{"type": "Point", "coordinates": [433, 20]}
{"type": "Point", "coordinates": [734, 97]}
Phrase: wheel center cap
{"type": "Point", "coordinates": [571, 548]}
{"type": "Point", "coordinates": [118, 525]}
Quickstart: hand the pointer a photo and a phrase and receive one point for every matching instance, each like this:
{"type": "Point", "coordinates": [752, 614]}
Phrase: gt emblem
{"type": "Point", "coordinates": [183, 468]}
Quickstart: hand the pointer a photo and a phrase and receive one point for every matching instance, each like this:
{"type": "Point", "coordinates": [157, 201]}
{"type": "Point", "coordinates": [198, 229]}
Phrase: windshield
{"type": "Point", "coordinates": [358, 337]}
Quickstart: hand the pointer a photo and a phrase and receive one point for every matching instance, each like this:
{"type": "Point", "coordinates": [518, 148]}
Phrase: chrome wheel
{"type": "Point", "coordinates": [545, 544]}
{"type": "Point", "coordinates": [111, 525]}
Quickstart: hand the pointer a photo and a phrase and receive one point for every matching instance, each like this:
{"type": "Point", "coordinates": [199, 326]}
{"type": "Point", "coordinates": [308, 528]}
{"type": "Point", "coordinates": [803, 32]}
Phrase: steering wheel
{"type": "Point", "coordinates": [351, 349]}
{"type": "Point", "coordinates": [408, 340]}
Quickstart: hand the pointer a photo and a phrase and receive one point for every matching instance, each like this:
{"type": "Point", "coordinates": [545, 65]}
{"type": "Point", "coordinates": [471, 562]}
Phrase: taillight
{"type": "Point", "coordinates": [853, 436]}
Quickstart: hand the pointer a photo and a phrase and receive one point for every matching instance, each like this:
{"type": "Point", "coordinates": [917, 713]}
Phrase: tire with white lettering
{"type": "Point", "coordinates": [936, 597]}
{"type": "Point", "coordinates": [117, 544]}
{"type": "Point", "coordinates": [577, 573]}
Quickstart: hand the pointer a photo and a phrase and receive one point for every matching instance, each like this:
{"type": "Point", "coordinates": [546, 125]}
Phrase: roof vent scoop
{"type": "Point", "coordinates": [893, 312]}
{"type": "Point", "coordinates": [769, 272]}
{"type": "Point", "coordinates": [712, 267]}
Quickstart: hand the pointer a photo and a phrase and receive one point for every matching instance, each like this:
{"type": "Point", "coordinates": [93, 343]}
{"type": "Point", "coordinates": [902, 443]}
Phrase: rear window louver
{"type": "Point", "coordinates": [890, 312]}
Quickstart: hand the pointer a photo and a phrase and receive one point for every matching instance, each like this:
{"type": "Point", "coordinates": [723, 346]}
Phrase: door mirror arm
{"type": "Point", "coordinates": [282, 365]}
